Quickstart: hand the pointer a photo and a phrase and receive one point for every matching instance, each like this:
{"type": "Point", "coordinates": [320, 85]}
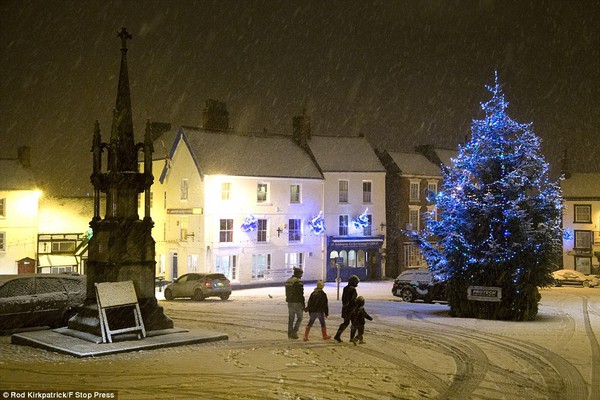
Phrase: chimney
{"type": "Point", "coordinates": [215, 116]}
{"type": "Point", "coordinates": [301, 132]}
{"type": "Point", "coordinates": [24, 155]}
{"type": "Point", "coordinates": [564, 166]}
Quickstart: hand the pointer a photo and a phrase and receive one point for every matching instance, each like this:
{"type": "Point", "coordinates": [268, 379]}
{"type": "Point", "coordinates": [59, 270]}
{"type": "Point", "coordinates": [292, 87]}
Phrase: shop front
{"type": "Point", "coordinates": [356, 255]}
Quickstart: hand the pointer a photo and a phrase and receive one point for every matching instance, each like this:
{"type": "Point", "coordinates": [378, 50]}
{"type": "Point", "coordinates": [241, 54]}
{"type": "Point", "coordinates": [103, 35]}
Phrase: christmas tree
{"type": "Point", "coordinates": [500, 219]}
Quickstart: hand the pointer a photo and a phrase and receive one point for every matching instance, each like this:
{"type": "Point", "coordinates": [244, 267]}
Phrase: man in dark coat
{"type": "Point", "coordinates": [294, 296]}
{"type": "Point", "coordinates": [348, 305]}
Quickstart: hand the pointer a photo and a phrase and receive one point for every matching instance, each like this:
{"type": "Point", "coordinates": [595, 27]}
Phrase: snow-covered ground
{"type": "Point", "coordinates": [412, 351]}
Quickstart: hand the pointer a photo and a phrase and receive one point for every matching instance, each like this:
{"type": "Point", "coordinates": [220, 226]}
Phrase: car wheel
{"type": "Point", "coordinates": [168, 294]}
{"type": "Point", "coordinates": [225, 296]}
{"type": "Point", "coordinates": [586, 283]}
{"type": "Point", "coordinates": [198, 295]}
{"type": "Point", "coordinates": [407, 295]}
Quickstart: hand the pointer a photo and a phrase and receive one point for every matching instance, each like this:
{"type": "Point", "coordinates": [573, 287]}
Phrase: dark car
{"type": "Point", "coordinates": [30, 300]}
{"type": "Point", "coordinates": [199, 286]}
{"type": "Point", "coordinates": [419, 284]}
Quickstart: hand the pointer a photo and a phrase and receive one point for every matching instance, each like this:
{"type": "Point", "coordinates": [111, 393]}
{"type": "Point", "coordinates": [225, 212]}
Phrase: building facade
{"type": "Point", "coordinates": [581, 222]}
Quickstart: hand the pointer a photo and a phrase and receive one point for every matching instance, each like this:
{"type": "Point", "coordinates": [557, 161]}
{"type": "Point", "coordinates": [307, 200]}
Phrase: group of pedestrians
{"type": "Point", "coordinates": [353, 309]}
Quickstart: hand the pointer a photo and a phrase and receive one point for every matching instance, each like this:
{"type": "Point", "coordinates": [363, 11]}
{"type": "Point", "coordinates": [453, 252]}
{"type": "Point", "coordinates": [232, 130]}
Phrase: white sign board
{"type": "Point", "coordinates": [484, 293]}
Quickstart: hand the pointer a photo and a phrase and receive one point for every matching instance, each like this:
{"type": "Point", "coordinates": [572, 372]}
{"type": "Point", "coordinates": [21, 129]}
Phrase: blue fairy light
{"type": "Point", "coordinates": [362, 221]}
{"type": "Point", "coordinates": [317, 224]}
{"type": "Point", "coordinates": [250, 223]}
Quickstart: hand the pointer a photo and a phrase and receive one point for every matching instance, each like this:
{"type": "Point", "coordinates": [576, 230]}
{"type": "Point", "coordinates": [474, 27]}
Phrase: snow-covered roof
{"type": "Point", "coordinates": [13, 176]}
{"type": "Point", "coordinates": [581, 185]}
{"type": "Point", "coordinates": [227, 153]}
{"type": "Point", "coordinates": [414, 164]}
{"type": "Point", "coordinates": [446, 155]}
{"type": "Point", "coordinates": [344, 154]}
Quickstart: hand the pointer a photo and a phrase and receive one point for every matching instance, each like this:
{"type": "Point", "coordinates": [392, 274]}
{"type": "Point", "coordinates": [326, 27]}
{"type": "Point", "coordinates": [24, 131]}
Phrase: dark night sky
{"type": "Point", "coordinates": [401, 72]}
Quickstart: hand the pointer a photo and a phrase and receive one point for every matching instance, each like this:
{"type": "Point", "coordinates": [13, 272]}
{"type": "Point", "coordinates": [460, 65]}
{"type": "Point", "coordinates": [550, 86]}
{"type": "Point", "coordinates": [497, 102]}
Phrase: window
{"type": "Point", "coordinates": [261, 232]}
{"type": "Point", "coordinates": [63, 247]}
{"type": "Point", "coordinates": [360, 259]}
{"type": "Point", "coordinates": [225, 191]}
{"type": "Point", "coordinates": [193, 263]}
{"type": "Point", "coordinates": [227, 265]}
{"type": "Point", "coordinates": [343, 225]}
{"type": "Point", "coordinates": [412, 255]}
{"type": "Point", "coordinates": [343, 191]}
{"type": "Point", "coordinates": [367, 191]}
{"type": "Point", "coordinates": [583, 213]}
{"type": "Point", "coordinates": [432, 212]}
{"type": "Point", "coordinates": [261, 264]}
{"type": "Point", "coordinates": [294, 230]}
{"type": "Point", "coordinates": [413, 219]}
{"type": "Point", "coordinates": [184, 189]}
{"type": "Point", "coordinates": [226, 230]}
{"type": "Point", "coordinates": [367, 230]}
{"type": "Point", "coordinates": [352, 258]}
{"type": "Point", "coordinates": [583, 264]}
{"type": "Point", "coordinates": [294, 193]}
{"type": "Point", "coordinates": [432, 188]}
{"type": "Point", "coordinates": [261, 192]}
{"type": "Point", "coordinates": [183, 229]}
{"type": "Point", "coordinates": [415, 188]}
{"type": "Point", "coordinates": [583, 239]}
{"type": "Point", "coordinates": [294, 260]}
{"type": "Point", "coordinates": [2, 241]}
{"type": "Point", "coordinates": [2, 207]}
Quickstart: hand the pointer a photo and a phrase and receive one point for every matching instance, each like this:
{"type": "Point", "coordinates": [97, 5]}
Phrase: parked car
{"type": "Point", "coordinates": [199, 286]}
{"type": "Point", "coordinates": [419, 284]}
{"type": "Point", "coordinates": [30, 300]}
{"type": "Point", "coordinates": [572, 277]}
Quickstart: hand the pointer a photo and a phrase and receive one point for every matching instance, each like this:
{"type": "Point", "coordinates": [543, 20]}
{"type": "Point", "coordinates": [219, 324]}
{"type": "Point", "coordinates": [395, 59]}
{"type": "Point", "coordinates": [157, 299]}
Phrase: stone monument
{"type": "Point", "coordinates": [122, 247]}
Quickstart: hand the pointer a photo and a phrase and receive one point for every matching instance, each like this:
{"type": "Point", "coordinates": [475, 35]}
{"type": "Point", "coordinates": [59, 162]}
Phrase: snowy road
{"type": "Point", "coordinates": [412, 351]}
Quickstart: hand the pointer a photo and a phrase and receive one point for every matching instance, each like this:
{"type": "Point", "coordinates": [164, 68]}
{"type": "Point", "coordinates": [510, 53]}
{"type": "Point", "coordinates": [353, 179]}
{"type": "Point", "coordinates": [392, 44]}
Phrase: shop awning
{"type": "Point", "coordinates": [52, 260]}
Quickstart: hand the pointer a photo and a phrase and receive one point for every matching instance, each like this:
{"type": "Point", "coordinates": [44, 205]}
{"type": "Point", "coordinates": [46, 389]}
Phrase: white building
{"type": "Point", "coordinates": [19, 198]}
{"type": "Point", "coordinates": [353, 202]}
{"type": "Point", "coordinates": [236, 204]}
{"type": "Point", "coordinates": [581, 222]}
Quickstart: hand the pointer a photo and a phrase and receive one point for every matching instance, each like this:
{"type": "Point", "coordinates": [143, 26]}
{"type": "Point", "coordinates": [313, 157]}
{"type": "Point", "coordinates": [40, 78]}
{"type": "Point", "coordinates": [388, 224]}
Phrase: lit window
{"type": "Point", "coordinates": [432, 187]}
{"type": "Point", "coordinates": [225, 190]}
{"type": "Point", "coordinates": [261, 232]}
{"type": "Point", "coordinates": [294, 260]}
{"type": "Point", "coordinates": [352, 258]}
{"type": "Point", "coordinates": [2, 241]}
{"type": "Point", "coordinates": [261, 192]}
{"type": "Point", "coordinates": [193, 263]}
{"type": "Point", "coordinates": [63, 247]}
{"type": "Point", "coordinates": [343, 225]}
{"type": "Point", "coordinates": [294, 230]}
{"type": "Point", "coordinates": [412, 255]}
{"type": "Point", "coordinates": [415, 188]}
{"type": "Point", "coordinates": [2, 207]}
{"type": "Point", "coordinates": [367, 191]}
{"type": "Point", "coordinates": [583, 239]}
{"type": "Point", "coordinates": [261, 265]}
{"type": "Point", "coordinates": [226, 230]}
{"type": "Point", "coordinates": [184, 189]}
{"type": "Point", "coordinates": [583, 214]}
{"type": "Point", "coordinates": [294, 193]}
{"type": "Point", "coordinates": [227, 265]}
{"type": "Point", "coordinates": [343, 191]}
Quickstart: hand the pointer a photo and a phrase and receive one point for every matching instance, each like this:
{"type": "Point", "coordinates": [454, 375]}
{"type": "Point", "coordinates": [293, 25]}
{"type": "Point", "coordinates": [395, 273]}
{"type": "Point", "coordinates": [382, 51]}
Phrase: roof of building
{"type": "Point", "coordinates": [344, 154]}
{"type": "Point", "coordinates": [13, 176]}
{"type": "Point", "coordinates": [581, 185]}
{"type": "Point", "coordinates": [414, 164]}
{"type": "Point", "coordinates": [227, 153]}
{"type": "Point", "coordinates": [446, 155]}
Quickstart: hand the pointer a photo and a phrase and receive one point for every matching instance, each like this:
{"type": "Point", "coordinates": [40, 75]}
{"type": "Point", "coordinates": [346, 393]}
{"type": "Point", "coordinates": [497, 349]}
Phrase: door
{"type": "Point", "coordinates": [174, 272]}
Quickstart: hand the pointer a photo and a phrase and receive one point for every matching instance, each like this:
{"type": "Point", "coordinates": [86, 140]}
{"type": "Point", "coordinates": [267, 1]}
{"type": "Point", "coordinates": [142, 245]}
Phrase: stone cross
{"type": "Point", "coordinates": [124, 35]}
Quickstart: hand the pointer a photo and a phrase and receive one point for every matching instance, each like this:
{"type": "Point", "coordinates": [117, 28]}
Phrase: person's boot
{"type": "Point", "coordinates": [306, 331]}
{"type": "Point", "coordinates": [338, 336]}
{"type": "Point", "coordinates": [324, 332]}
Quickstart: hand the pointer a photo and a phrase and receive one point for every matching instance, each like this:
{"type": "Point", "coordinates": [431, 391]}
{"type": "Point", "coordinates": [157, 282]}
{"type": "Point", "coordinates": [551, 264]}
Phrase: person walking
{"type": "Point", "coordinates": [358, 317]}
{"type": "Point", "coordinates": [294, 296]}
{"type": "Point", "coordinates": [317, 307]}
{"type": "Point", "coordinates": [348, 304]}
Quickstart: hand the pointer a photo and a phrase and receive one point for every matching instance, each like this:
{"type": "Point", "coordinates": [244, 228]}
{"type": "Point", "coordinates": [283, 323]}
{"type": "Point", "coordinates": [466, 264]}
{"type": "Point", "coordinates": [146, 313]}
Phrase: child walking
{"type": "Point", "coordinates": [317, 307]}
{"type": "Point", "coordinates": [358, 321]}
